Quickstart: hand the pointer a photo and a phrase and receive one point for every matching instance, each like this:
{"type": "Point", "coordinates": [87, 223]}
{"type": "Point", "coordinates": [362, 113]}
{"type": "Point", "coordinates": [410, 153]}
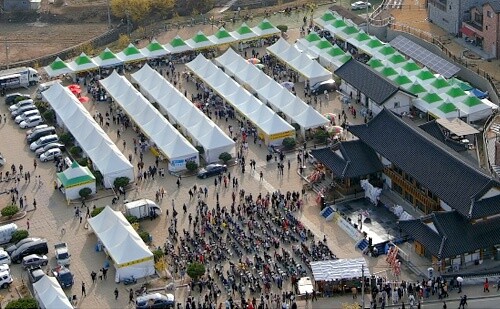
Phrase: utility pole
{"type": "Point", "coordinates": [109, 15]}
{"type": "Point", "coordinates": [363, 286]}
{"type": "Point", "coordinates": [7, 53]}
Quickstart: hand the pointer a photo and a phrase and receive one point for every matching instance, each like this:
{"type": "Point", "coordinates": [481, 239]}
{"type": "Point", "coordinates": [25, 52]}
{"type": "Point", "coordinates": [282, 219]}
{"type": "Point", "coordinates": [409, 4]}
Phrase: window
{"type": "Point", "coordinates": [488, 13]}
{"type": "Point", "coordinates": [478, 18]}
{"type": "Point", "coordinates": [396, 104]}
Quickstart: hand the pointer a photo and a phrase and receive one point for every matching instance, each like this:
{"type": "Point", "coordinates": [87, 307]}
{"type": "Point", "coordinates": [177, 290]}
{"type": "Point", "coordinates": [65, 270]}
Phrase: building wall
{"type": "Point", "coordinates": [16, 5]}
{"type": "Point", "coordinates": [491, 31]}
{"type": "Point", "coordinates": [449, 14]}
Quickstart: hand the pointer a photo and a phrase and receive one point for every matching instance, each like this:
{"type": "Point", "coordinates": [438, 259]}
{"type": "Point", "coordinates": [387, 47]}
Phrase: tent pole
{"type": "Point", "coordinates": [363, 286]}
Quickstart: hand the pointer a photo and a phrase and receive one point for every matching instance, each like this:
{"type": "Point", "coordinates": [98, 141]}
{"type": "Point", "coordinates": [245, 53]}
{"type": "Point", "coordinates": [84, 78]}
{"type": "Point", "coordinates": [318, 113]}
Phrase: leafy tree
{"type": "Point", "coordinates": [98, 176]}
{"type": "Point", "coordinates": [225, 157]}
{"type": "Point", "coordinates": [131, 219]}
{"type": "Point", "coordinates": [23, 303]}
{"type": "Point", "coordinates": [191, 166]}
{"type": "Point", "coordinates": [9, 211]}
{"type": "Point", "coordinates": [162, 6]}
{"type": "Point", "coordinates": [321, 136]}
{"type": "Point", "coordinates": [283, 28]}
{"type": "Point", "coordinates": [49, 116]}
{"type": "Point", "coordinates": [195, 270]}
{"type": "Point", "coordinates": [137, 10]}
{"type": "Point", "coordinates": [18, 235]}
{"type": "Point", "coordinates": [83, 162]}
{"type": "Point", "coordinates": [121, 182]}
{"type": "Point", "coordinates": [75, 151]}
{"type": "Point", "coordinates": [191, 7]}
{"type": "Point", "coordinates": [123, 41]}
{"type": "Point", "coordinates": [289, 143]}
{"type": "Point", "coordinates": [146, 237]}
{"type": "Point", "coordinates": [84, 193]}
{"type": "Point", "coordinates": [66, 138]}
{"type": "Point", "coordinates": [200, 149]}
{"type": "Point", "coordinates": [158, 255]}
{"type": "Point", "coordinates": [96, 211]}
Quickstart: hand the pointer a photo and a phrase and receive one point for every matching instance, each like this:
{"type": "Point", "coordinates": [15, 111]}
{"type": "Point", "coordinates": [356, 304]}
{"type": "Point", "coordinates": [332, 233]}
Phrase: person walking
{"type": "Point", "coordinates": [28, 223]}
{"type": "Point", "coordinates": [486, 286]}
{"type": "Point", "coordinates": [93, 275]}
{"type": "Point", "coordinates": [116, 293]}
{"type": "Point", "coordinates": [84, 292]}
{"type": "Point", "coordinates": [131, 296]}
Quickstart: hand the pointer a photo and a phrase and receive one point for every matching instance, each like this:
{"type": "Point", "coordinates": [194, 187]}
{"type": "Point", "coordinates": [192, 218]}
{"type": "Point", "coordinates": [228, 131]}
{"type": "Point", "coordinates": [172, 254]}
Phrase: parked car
{"type": "Point", "coordinates": [62, 254]}
{"type": "Point", "coordinates": [43, 149]}
{"type": "Point", "coordinates": [212, 170]}
{"type": "Point", "coordinates": [155, 301]}
{"type": "Point", "coordinates": [64, 276]}
{"type": "Point", "coordinates": [20, 104]}
{"type": "Point", "coordinates": [360, 5]}
{"type": "Point", "coordinates": [5, 279]}
{"type": "Point", "coordinates": [321, 87]}
{"type": "Point", "coordinates": [34, 260]}
{"type": "Point", "coordinates": [21, 110]}
{"type": "Point", "coordinates": [4, 257]}
{"type": "Point", "coordinates": [11, 97]}
{"type": "Point", "coordinates": [39, 127]}
{"type": "Point", "coordinates": [31, 122]}
{"type": "Point", "coordinates": [39, 133]}
{"type": "Point", "coordinates": [44, 140]}
{"type": "Point", "coordinates": [13, 248]}
{"type": "Point", "coordinates": [34, 247]}
{"type": "Point", "coordinates": [51, 154]}
{"type": "Point", "coordinates": [26, 115]}
{"type": "Point", "coordinates": [35, 274]}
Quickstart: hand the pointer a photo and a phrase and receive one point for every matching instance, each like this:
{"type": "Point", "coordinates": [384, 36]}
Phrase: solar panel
{"type": "Point", "coordinates": [424, 56]}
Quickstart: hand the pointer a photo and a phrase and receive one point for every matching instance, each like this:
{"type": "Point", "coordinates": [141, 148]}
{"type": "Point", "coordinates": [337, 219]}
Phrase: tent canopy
{"type": "Point", "coordinates": [131, 54]}
{"type": "Point", "coordinates": [57, 68]}
{"type": "Point", "coordinates": [50, 294]}
{"type": "Point", "coordinates": [199, 41]}
{"type": "Point", "coordinates": [82, 63]}
{"type": "Point", "coordinates": [154, 50]}
{"type": "Point", "coordinates": [244, 33]}
{"type": "Point", "coordinates": [107, 59]}
{"type": "Point", "coordinates": [75, 175]}
{"type": "Point", "coordinates": [222, 36]}
{"type": "Point", "coordinates": [332, 270]}
{"type": "Point", "coordinates": [265, 28]}
{"type": "Point", "coordinates": [177, 45]}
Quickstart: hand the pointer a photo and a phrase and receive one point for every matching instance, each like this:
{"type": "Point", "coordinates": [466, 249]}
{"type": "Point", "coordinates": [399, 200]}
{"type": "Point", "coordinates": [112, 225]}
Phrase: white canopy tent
{"type": "Point", "coordinates": [49, 294]}
{"type": "Point", "coordinates": [277, 95]}
{"type": "Point", "coordinates": [300, 62]}
{"type": "Point", "coordinates": [82, 63]}
{"type": "Point", "coordinates": [154, 50]}
{"type": "Point", "coordinates": [107, 59]}
{"type": "Point", "coordinates": [167, 139]}
{"type": "Point", "coordinates": [273, 129]}
{"type": "Point", "coordinates": [194, 122]}
{"type": "Point", "coordinates": [332, 270]}
{"type": "Point", "coordinates": [103, 153]}
{"type": "Point", "coordinates": [131, 54]}
{"type": "Point", "coordinates": [130, 255]}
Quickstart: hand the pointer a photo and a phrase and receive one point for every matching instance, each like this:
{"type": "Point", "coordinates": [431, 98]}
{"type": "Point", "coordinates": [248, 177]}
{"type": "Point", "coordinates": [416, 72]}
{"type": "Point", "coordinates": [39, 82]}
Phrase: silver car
{"type": "Point", "coordinates": [34, 260]}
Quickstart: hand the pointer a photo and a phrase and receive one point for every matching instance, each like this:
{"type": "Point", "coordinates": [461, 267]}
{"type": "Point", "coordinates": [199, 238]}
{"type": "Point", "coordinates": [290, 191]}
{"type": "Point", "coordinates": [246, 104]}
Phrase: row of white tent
{"type": "Point", "coordinates": [72, 115]}
{"type": "Point", "coordinates": [272, 128]}
{"type": "Point", "coordinates": [154, 49]}
{"type": "Point", "coordinates": [128, 252]}
{"type": "Point", "coordinates": [310, 69]}
{"type": "Point", "coordinates": [329, 55]}
{"type": "Point", "coordinates": [167, 139]}
{"type": "Point", "coordinates": [195, 124]}
{"type": "Point", "coordinates": [49, 294]}
{"type": "Point", "coordinates": [268, 90]}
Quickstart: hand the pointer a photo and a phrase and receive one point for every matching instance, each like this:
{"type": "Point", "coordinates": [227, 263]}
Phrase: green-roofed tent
{"type": "Point", "coordinates": [447, 107]}
{"type": "Point", "coordinates": [338, 23]}
{"type": "Point", "coordinates": [440, 83]}
{"type": "Point", "coordinates": [244, 33]}
{"type": "Point", "coordinates": [460, 83]}
{"type": "Point", "coordinates": [154, 50]}
{"type": "Point", "coordinates": [83, 63]}
{"type": "Point", "coordinates": [432, 97]}
{"type": "Point", "coordinates": [370, 46]}
{"type": "Point", "coordinates": [348, 32]}
{"type": "Point", "coordinates": [425, 75]}
{"type": "Point", "coordinates": [401, 80]}
{"type": "Point", "coordinates": [397, 58]}
{"type": "Point", "coordinates": [473, 108]}
{"type": "Point", "coordinates": [456, 92]}
{"type": "Point", "coordinates": [107, 59]}
{"type": "Point", "coordinates": [200, 41]}
{"type": "Point", "coordinates": [415, 88]}
{"type": "Point", "coordinates": [222, 36]}
{"type": "Point", "coordinates": [177, 45]}
{"type": "Point", "coordinates": [312, 37]}
{"type": "Point", "coordinates": [335, 51]}
{"type": "Point", "coordinates": [374, 63]}
{"type": "Point", "coordinates": [374, 43]}
{"type": "Point", "coordinates": [472, 101]}
{"type": "Point", "coordinates": [388, 71]}
{"type": "Point", "coordinates": [265, 28]}
{"type": "Point", "coordinates": [325, 19]}
{"type": "Point", "coordinates": [131, 54]}
{"type": "Point", "coordinates": [75, 178]}
{"type": "Point", "coordinates": [359, 38]}
{"type": "Point", "coordinates": [57, 68]}
{"type": "Point", "coordinates": [385, 51]}
{"type": "Point", "coordinates": [411, 66]}
{"type": "Point", "coordinates": [321, 47]}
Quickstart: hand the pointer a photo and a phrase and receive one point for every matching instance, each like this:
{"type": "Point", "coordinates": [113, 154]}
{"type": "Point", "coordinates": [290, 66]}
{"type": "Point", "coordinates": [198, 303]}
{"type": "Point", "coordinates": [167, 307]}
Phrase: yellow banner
{"type": "Point", "coordinates": [135, 262]}
{"type": "Point", "coordinates": [281, 135]}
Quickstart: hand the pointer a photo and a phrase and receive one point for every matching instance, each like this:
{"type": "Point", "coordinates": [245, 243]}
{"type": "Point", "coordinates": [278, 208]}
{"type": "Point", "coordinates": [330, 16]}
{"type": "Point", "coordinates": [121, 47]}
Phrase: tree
{"type": "Point", "coordinates": [162, 6]}
{"type": "Point", "coordinates": [66, 138]}
{"type": "Point", "coordinates": [75, 151]}
{"type": "Point", "coordinates": [121, 182]}
{"type": "Point", "coordinates": [18, 235]}
{"type": "Point", "coordinates": [158, 254]}
{"type": "Point", "coordinates": [191, 166]}
{"type": "Point", "coordinates": [195, 270]}
{"type": "Point", "coordinates": [135, 9]}
{"type": "Point", "coordinates": [23, 303]}
{"type": "Point", "coordinates": [123, 41]}
{"type": "Point", "coordinates": [225, 157]}
{"type": "Point", "coordinates": [9, 211]}
{"type": "Point", "coordinates": [84, 193]}
{"type": "Point", "coordinates": [96, 211]}
{"type": "Point", "coordinates": [289, 143]}
{"type": "Point", "coordinates": [321, 136]}
{"type": "Point", "coordinates": [189, 7]}
{"type": "Point", "coordinates": [282, 28]}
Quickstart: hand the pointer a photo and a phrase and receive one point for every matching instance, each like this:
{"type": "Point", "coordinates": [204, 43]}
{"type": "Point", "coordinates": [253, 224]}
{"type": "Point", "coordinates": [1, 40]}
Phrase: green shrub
{"type": "Point", "coordinates": [145, 236]}
{"type": "Point", "coordinates": [98, 177]}
{"type": "Point", "coordinates": [289, 143]}
{"type": "Point", "coordinates": [84, 193]}
{"type": "Point", "coordinates": [9, 211]}
{"type": "Point", "coordinates": [158, 254]}
{"type": "Point", "coordinates": [121, 182]}
{"type": "Point", "coordinates": [131, 219]}
{"type": "Point", "coordinates": [66, 138]}
{"type": "Point", "coordinates": [321, 136]}
{"type": "Point", "coordinates": [191, 166]}
{"type": "Point", "coordinates": [195, 270]}
{"type": "Point", "coordinates": [75, 151]}
{"type": "Point", "coordinates": [283, 28]}
{"type": "Point", "coordinates": [23, 303]}
{"type": "Point", "coordinates": [49, 116]}
{"type": "Point", "coordinates": [200, 149]}
{"type": "Point", "coordinates": [18, 235]}
{"type": "Point", "coordinates": [83, 162]}
{"type": "Point", "coordinates": [225, 157]}
{"type": "Point", "coordinates": [96, 211]}
{"type": "Point", "coordinates": [296, 126]}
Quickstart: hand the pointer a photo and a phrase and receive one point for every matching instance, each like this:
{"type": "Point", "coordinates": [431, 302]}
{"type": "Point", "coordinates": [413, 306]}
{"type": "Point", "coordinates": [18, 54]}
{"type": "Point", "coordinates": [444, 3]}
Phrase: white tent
{"type": "Point", "coordinates": [222, 36]}
{"type": "Point", "coordinates": [57, 68]}
{"type": "Point", "coordinates": [271, 92]}
{"type": "Point", "coordinates": [200, 41]}
{"type": "Point", "coordinates": [82, 63]}
{"type": "Point", "coordinates": [244, 33]}
{"type": "Point", "coordinates": [75, 178]}
{"type": "Point", "coordinates": [107, 59]}
{"type": "Point", "coordinates": [154, 50]}
{"type": "Point", "coordinates": [279, 47]}
{"type": "Point", "coordinates": [130, 255]}
{"type": "Point", "coordinates": [49, 294]}
{"type": "Point", "coordinates": [331, 270]}
{"type": "Point", "coordinates": [177, 45]}
{"type": "Point", "coordinates": [131, 54]}
{"type": "Point", "coordinates": [103, 153]}
{"type": "Point", "coordinates": [166, 138]}
{"type": "Point", "coordinates": [213, 140]}
{"type": "Point", "coordinates": [265, 28]}
{"type": "Point", "coordinates": [242, 100]}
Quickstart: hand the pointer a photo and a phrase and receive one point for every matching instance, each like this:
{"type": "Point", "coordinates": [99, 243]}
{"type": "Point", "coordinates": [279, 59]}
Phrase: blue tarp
{"type": "Point", "coordinates": [478, 93]}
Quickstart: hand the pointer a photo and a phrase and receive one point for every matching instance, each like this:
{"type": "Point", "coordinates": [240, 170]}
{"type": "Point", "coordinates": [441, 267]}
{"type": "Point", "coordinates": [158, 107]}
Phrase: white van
{"type": "Point", "coordinates": [6, 232]}
{"type": "Point", "coordinates": [42, 87]}
{"type": "Point", "coordinates": [143, 208]}
{"type": "Point", "coordinates": [4, 257]}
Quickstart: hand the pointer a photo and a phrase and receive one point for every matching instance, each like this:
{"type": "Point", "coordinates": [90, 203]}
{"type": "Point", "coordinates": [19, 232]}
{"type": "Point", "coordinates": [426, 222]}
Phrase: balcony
{"type": "Point", "coordinates": [471, 29]}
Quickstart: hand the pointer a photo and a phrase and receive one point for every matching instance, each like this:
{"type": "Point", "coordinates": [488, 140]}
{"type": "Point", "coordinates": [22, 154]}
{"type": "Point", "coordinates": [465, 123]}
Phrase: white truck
{"type": "Point", "coordinates": [62, 254]}
{"type": "Point", "coordinates": [21, 77]}
{"type": "Point", "coordinates": [142, 208]}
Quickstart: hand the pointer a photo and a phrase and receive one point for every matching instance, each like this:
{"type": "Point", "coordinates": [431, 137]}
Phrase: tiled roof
{"type": "Point", "coordinates": [355, 159]}
{"type": "Point", "coordinates": [433, 129]}
{"type": "Point", "coordinates": [434, 166]}
{"type": "Point", "coordinates": [367, 81]}
{"type": "Point", "coordinates": [453, 234]}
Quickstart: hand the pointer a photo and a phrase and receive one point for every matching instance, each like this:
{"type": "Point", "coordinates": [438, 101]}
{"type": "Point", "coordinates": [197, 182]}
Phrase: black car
{"type": "Point", "coordinates": [212, 170]}
{"type": "Point", "coordinates": [155, 301]}
{"type": "Point", "coordinates": [34, 247]}
{"type": "Point", "coordinates": [321, 87]}
{"type": "Point", "coordinates": [64, 276]}
{"type": "Point", "coordinates": [11, 98]}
